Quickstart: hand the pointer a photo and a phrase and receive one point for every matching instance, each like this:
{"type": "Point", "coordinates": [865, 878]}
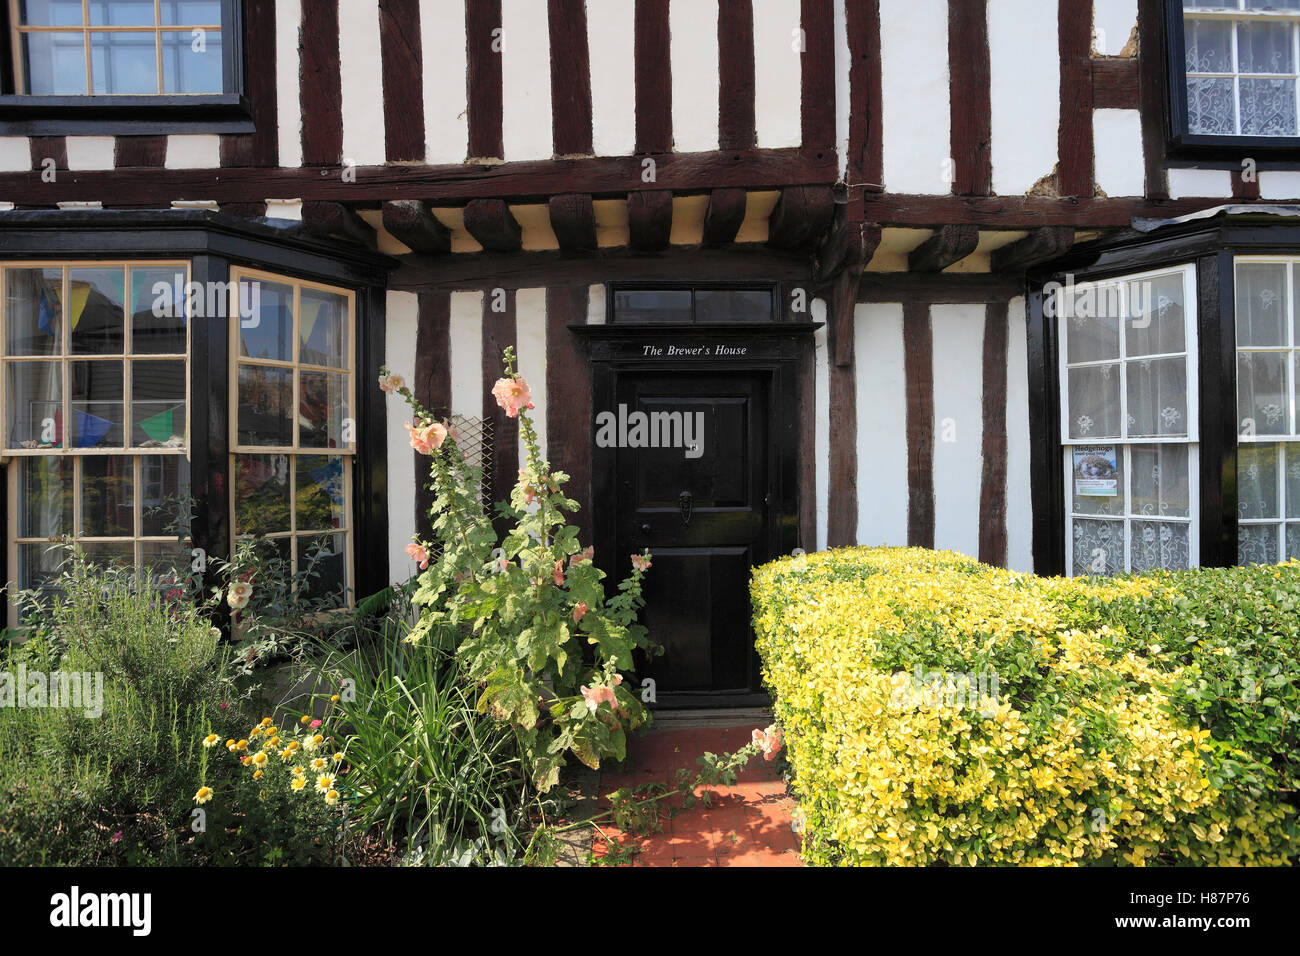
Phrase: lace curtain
{"type": "Point", "coordinates": [1252, 87]}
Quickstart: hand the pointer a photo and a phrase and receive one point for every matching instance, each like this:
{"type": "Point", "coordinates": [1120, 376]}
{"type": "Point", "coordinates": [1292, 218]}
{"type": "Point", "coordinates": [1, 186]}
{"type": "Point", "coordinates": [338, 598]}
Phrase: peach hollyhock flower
{"type": "Point", "coordinates": [640, 562]}
{"type": "Point", "coordinates": [512, 394]}
{"type": "Point", "coordinates": [557, 573]}
{"type": "Point", "coordinates": [586, 554]}
{"type": "Point", "coordinates": [769, 740]}
{"type": "Point", "coordinates": [427, 438]}
{"type": "Point", "coordinates": [595, 695]}
{"type": "Point", "coordinates": [579, 611]}
{"type": "Point", "coordinates": [419, 554]}
{"type": "Point", "coordinates": [240, 593]}
{"type": "Point", "coordinates": [390, 383]}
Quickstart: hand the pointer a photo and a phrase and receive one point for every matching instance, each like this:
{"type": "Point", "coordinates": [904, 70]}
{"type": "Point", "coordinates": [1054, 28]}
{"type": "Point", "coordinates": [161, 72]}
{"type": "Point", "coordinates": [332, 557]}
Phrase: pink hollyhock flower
{"type": "Point", "coordinates": [640, 562]}
{"type": "Point", "coordinates": [500, 564]}
{"type": "Point", "coordinates": [419, 554]}
{"type": "Point", "coordinates": [618, 679]}
{"type": "Point", "coordinates": [314, 724]}
{"type": "Point", "coordinates": [390, 383]}
{"type": "Point", "coordinates": [512, 394]}
{"type": "Point", "coordinates": [579, 611]}
{"type": "Point", "coordinates": [557, 573]}
{"type": "Point", "coordinates": [116, 838]}
{"type": "Point", "coordinates": [586, 554]}
{"type": "Point", "coordinates": [427, 438]}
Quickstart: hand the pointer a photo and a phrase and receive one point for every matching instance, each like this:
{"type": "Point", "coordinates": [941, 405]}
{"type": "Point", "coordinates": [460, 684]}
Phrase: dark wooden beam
{"type": "Point", "coordinates": [41, 148]}
{"type": "Point", "coordinates": [947, 288]}
{"type": "Point", "coordinates": [736, 129]}
{"type": "Point", "coordinates": [918, 365]}
{"type": "Point", "coordinates": [1039, 246]}
{"type": "Point", "coordinates": [146, 151]}
{"type": "Point", "coordinates": [800, 216]}
{"type": "Point", "coordinates": [1115, 83]}
{"type": "Point", "coordinates": [482, 18]}
{"type": "Point", "coordinates": [654, 86]}
{"type": "Point", "coordinates": [866, 154]}
{"type": "Point", "coordinates": [401, 60]}
{"type": "Point", "coordinates": [861, 240]}
{"type": "Point", "coordinates": [491, 222]}
{"type": "Point", "coordinates": [320, 90]}
{"type": "Point", "coordinates": [335, 219]}
{"type": "Point", "coordinates": [650, 220]}
{"type": "Point", "coordinates": [1151, 95]}
{"type": "Point", "coordinates": [517, 270]}
{"type": "Point", "coordinates": [450, 184]}
{"type": "Point", "coordinates": [724, 215]}
{"type": "Point", "coordinates": [568, 393]}
{"type": "Point", "coordinates": [970, 110]}
{"type": "Point", "coordinates": [993, 450]}
{"type": "Point", "coordinates": [1074, 171]}
{"type": "Point", "coordinates": [410, 221]}
{"type": "Point", "coordinates": [432, 387]}
{"type": "Point", "coordinates": [948, 245]}
{"type": "Point", "coordinates": [573, 219]}
{"type": "Point", "coordinates": [570, 78]}
{"type": "Point", "coordinates": [817, 91]}
{"type": "Point", "coordinates": [847, 241]}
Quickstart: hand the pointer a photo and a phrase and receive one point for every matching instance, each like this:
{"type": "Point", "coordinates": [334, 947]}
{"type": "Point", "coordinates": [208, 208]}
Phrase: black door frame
{"type": "Point", "coordinates": [777, 350]}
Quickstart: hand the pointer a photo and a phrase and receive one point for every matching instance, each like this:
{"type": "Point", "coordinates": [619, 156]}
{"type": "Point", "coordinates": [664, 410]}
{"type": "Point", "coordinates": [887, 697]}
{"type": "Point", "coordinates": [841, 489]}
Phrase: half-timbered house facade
{"type": "Point", "coordinates": [864, 240]}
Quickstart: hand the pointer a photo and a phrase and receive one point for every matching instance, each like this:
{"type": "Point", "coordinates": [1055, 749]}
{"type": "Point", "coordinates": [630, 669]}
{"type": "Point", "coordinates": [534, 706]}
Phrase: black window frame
{"type": "Point", "coordinates": [773, 289]}
{"type": "Point", "coordinates": [106, 114]}
{"type": "Point", "coordinates": [214, 243]}
{"type": "Point", "coordinates": [1211, 246]}
{"type": "Point", "coordinates": [1278, 152]}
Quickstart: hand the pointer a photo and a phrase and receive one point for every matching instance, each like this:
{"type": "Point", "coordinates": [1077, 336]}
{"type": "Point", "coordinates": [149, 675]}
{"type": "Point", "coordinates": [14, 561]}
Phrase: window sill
{"type": "Point", "coordinates": [1269, 152]}
{"type": "Point", "coordinates": [124, 115]}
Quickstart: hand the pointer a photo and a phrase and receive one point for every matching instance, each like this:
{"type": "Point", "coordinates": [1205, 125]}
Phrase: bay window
{"type": "Point", "coordinates": [291, 420]}
{"type": "Point", "coordinates": [1129, 421]}
{"type": "Point", "coordinates": [1268, 454]}
{"type": "Point", "coordinates": [95, 411]}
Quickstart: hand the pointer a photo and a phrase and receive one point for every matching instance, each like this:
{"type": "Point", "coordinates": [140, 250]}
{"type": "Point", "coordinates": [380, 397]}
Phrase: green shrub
{"type": "Point", "coordinates": [940, 711]}
{"type": "Point", "coordinates": [117, 787]}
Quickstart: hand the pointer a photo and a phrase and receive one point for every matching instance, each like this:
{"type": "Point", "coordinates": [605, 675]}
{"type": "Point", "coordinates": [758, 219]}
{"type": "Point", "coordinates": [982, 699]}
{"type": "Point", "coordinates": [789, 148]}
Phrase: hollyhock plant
{"type": "Point", "coordinates": [535, 631]}
{"type": "Point", "coordinates": [419, 554]}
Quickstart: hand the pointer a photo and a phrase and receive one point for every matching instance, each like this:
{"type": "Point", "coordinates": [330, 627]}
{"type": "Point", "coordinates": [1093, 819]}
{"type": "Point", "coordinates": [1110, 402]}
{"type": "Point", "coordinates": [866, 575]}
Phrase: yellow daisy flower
{"type": "Point", "coordinates": [211, 740]}
{"type": "Point", "coordinates": [319, 764]}
{"type": "Point", "coordinates": [332, 798]}
{"type": "Point", "coordinates": [204, 795]}
{"type": "Point", "coordinates": [257, 774]}
{"type": "Point", "coordinates": [298, 783]}
{"type": "Point", "coordinates": [325, 783]}
{"type": "Point", "coordinates": [260, 759]}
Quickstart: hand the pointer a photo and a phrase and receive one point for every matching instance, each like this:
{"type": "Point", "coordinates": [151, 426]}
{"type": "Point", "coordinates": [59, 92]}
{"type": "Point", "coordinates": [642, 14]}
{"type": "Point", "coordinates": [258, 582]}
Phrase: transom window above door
{"type": "Point", "coordinates": [687, 305]}
{"type": "Point", "coordinates": [1235, 76]}
{"type": "Point", "coordinates": [117, 47]}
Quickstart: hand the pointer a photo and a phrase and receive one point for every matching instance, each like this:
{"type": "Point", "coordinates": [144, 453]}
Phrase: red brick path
{"type": "Point", "coordinates": [748, 824]}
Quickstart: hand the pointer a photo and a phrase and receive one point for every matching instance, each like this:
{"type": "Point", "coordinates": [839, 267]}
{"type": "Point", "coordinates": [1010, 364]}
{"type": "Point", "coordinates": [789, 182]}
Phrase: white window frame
{"type": "Point", "coordinates": [1292, 351]}
{"type": "Point", "coordinates": [1124, 443]}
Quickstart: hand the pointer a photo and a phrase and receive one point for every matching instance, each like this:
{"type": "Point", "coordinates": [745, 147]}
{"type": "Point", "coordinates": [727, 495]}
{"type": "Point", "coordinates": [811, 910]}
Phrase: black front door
{"type": "Point", "coordinates": [700, 502]}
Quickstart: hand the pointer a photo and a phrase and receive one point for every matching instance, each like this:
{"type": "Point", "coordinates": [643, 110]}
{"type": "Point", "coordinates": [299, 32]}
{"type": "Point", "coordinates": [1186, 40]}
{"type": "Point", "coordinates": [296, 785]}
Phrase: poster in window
{"type": "Point", "coordinates": [1096, 471]}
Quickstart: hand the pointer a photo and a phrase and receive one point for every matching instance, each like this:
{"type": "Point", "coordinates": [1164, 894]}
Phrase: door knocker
{"type": "Point", "coordinates": [686, 503]}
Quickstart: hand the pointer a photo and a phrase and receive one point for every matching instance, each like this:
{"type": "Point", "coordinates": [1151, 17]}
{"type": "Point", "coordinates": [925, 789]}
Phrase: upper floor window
{"type": "Point", "coordinates": [122, 66]}
{"type": "Point", "coordinates": [1234, 67]}
{"type": "Point", "coordinates": [133, 47]}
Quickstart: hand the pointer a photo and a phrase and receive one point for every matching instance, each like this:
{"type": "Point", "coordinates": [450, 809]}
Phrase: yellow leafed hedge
{"type": "Point", "coordinates": [939, 711]}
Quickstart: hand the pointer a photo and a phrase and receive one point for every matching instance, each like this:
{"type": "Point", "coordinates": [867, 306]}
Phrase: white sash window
{"type": "Point", "coordinates": [1128, 421]}
{"type": "Point", "coordinates": [1268, 444]}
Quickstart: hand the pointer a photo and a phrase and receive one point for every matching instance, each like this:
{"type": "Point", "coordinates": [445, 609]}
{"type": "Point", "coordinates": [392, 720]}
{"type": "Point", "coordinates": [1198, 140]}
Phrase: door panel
{"type": "Point", "coordinates": [702, 513]}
